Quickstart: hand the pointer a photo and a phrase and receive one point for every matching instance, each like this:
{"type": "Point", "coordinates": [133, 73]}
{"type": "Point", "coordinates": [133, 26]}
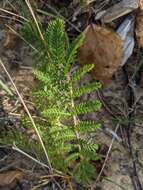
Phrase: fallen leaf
{"type": "Point", "coordinates": [10, 178]}
{"type": "Point", "coordinates": [139, 28]}
{"type": "Point", "coordinates": [117, 10]}
{"type": "Point", "coordinates": [104, 48]}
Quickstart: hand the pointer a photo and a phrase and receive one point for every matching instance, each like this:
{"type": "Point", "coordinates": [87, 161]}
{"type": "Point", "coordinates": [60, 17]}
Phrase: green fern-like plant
{"type": "Point", "coordinates": [64, 134]}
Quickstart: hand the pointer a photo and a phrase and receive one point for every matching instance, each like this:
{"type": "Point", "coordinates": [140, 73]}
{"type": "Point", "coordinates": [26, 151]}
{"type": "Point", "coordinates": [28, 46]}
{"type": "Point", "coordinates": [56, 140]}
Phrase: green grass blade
{"type": "Point", "coordinates": [5, 88]}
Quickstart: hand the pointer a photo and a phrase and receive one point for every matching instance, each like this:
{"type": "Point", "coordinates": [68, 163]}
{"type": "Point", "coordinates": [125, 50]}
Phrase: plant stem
{"type": "Point", "coordinates": [75, 119]}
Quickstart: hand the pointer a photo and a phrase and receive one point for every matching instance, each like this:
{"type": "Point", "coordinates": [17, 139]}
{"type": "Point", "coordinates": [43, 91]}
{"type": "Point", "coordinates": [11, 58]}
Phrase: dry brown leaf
{"type": "Point", "coordinates": [118, 10]}
{"type": "Point", "coordinates": [139, 27]}
{"type": "Point", "coordinates": [104, 48]}
{"type": "Point", "coordinates": [10, 178]}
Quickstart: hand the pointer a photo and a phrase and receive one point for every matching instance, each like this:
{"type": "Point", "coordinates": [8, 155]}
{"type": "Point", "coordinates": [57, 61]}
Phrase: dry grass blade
{"type": "Point", "coordinates": [13, 14]}
{"type": "Point", "coordinates": [35, 20]}
{"type": "Point", "coordinates": [14, 147]}
{"type": "Point", "coordinates": [22, 38]}
{"type": "Point", "coordinates": [5, 88]}
{"type": "Point", "coordinates": [29, 115]}
{"type": "Point", "coordinates": [9, 18]}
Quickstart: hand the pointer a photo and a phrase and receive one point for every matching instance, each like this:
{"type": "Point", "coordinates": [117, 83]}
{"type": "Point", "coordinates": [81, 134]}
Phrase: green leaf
{"type": "Point", "coordinates": [66, 137]}
{"type": "Point", "coordinates": [86, 107]}
{"type": "Point", "coordinates": [61, 131]}
{"type": "Point", "coordinates": [84, 172]}
{"type": "Point", "coordinates": [31, 35]}
{"type": "Point", "coordinates": [86, 89]}
{"type": "Point", "coordinates": [87, 145]}
{"type": "Point", "coordinates": [87, 126]}
{"type": "Point", "coordinates": [53, 112]}
{"type": "Point", "coordinates": [5, 88]}
{"type": "Point", "coordinates": [72, 157]}
{"type": "Point", "coordinates": [88, 154]}
{"type": "Point", "coordinates": [56, 42]}
{"type": "Point", "coordinates": [81, 72]}
{"type": "Point", "coordinates": [72, 51]}
{"type": "Point", "coordinates": [41, 76]}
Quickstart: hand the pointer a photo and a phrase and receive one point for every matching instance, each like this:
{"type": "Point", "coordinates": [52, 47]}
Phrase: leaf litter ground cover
{"type": "Point", "coordinates": [121, 99]}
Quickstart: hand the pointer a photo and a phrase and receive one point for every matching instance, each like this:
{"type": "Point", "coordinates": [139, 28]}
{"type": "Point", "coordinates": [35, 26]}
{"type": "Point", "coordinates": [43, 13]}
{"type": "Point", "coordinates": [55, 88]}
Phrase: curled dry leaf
{"type": "Point", "coordinates": [10, 178]}
{"type": "Point", "coordinates": [139, 27]}
{"type": "Point", "coordinates": [104, 48]}
{"type": "Point", "coordinates": [117, 10]}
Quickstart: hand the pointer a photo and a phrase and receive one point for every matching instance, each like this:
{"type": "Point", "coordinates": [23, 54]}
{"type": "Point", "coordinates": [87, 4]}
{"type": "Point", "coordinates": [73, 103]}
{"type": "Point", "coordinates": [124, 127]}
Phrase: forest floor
{"type": "Point", "coordinates": [121, 136]}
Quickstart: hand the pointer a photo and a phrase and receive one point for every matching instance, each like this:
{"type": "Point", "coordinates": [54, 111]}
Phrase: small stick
{"type": "Point", "coordinates": [14, 147]}
{"type": "Point", "coordinates": [21, 37]}
{"type": "Point", "coordinates": [11, 13]}
{"type": "Point", "coordinates": [35, 20]}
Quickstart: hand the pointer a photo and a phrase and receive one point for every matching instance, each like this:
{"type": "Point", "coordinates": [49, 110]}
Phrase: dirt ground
{"type": "Point", "coordinates": [122, 105]}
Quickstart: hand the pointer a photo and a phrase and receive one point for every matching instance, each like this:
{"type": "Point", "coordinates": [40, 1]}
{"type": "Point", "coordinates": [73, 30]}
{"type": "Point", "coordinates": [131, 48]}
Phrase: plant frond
{"type": "Point", "coordinates": [53, 112]}
{"type": "Point", "coordinates": [41, 76]}
{"type": "Point", "coordinates": [87, 126]}
{"type": "Point", "coordinates": [86, 145]}
{"type": "Point", "coordinates": [86, 89]}
{"type": "Point", "coordinates": [30, 34]}
{"type": "Point", "coordinates": [81, 72]}
{"type": "Point", "coordinates": [88, 154]}
{"type": "Point", "coordinates": [84, 172]}
{"type": "Point", "coordinates": [55, 40]}
{"type": "Point", "coordinates": [66, 137]}
{"type": "Point", "coordinates": [72, 157]}
{"type": "Point", "coordinates": [86, 107]}
{"type": "Point", "coordinates": [72, 51]}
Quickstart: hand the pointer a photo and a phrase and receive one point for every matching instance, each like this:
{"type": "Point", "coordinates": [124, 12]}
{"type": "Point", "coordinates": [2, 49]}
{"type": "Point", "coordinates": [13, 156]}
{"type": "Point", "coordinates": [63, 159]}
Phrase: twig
{"type": "Point", "coordinates": [35, 20]}
{"type": "Point", "coordinates": [38, 28]}
{"type": "Point", "coordinates": [11, 13]}
{"type": "Point", "coordinates": [57, 184]}
{"type": "Point", "coordinates": [104, 164]}
{"type": "Point", "coordinates": [22, 38]}
{"type": "Point", "coordinates": [10, 18]}
{"type": "Point", "coordinates": [100, 96]}
{"type": "Point", "coordinates": [14, 147]}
